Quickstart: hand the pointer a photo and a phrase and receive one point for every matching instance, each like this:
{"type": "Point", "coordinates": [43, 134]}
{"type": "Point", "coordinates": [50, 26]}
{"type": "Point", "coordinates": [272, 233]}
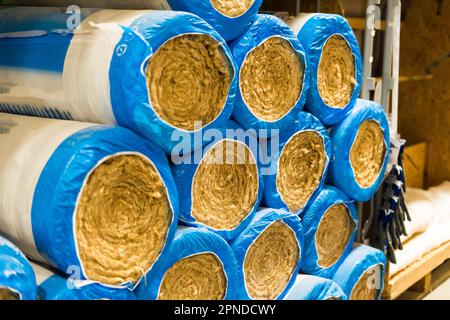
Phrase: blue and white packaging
{"type": "Point", "coordinates": [313, 32]}
{"type": "Point", "coordinates": [361, 275]}
{"type": "Point", "coordinates": [92, 66]}
{"type": "Point", "coordinates": [16, 275]}
{"type": "Point", "coordinates": [56, 286]}
{"type": "Point", "coordinates": [190, 242]}
{"type": "Point", "coordinates": [304, 124]}
{"type": "Point", "coordinates": [343, 136]}
{"type": "Point", "coordinates": [261, 222]}
{"type": "Point", "coordinates": [339, 232]}
{"type": "Point", "coordinates": [186, 172]}
{"type": "Point", "coordinates": [229, 18]}
{"type": "Point", "coordinates": [264, 28]}
{"type": "Point", "coordinates": [47, 165]}
{"type": "Point", "coordinates": [315, 288]}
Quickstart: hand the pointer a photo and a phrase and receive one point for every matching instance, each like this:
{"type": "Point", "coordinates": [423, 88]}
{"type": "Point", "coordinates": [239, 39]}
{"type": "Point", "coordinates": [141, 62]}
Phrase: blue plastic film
{"type": "Point", "coordinates": [308, 287]}
{"type": "Point", "coordinates": [266, 27]}
{"type": "Point", "coordinates": [313, 35]}
{"type": "Point", "coordinates": [62, 179]}
{"type": "Point", "coordinates": [264, 219]}
{"type": "Point", "coordinates": [16, 274]}
{"type": "Point", "coordinates": [343, 136]}
{"type": "Point", "coordinates": [361, 275]}
{"type": "Point", "coordinates": [189, 242]}
{"type": "Point", "coordinates": [185, 173]}
{"type": "Point", "coordinates": [324, 264]}
{"type": "Point", "coordinates": [305, 123]}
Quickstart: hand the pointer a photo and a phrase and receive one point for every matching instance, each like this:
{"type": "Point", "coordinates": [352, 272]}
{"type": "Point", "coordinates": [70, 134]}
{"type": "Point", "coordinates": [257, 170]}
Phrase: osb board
{"type": "Point", "coordinates": [405, 279]}
{"type": "Point", "coordinates": [414, 165]}
{"type": "Point", "coordinates": [424, 106]}
{"type": "Point", "coordinates": [326, 6]}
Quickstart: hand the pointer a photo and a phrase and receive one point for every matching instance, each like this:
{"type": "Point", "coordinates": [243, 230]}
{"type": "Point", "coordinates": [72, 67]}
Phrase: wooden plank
{"type": "Point", "coordinates": [405, 279]}
{"type": "Point", "coordinates": [423, 285]}
{"type": "Point", "coordinates": [438, 276]}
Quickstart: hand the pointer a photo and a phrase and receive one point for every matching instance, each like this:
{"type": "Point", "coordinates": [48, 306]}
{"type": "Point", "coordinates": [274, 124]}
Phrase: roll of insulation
{"type": "Point", "coordinates": [315, 288]}
{"type": "Point", "coordinates": [220, 187]}
{"type": "Point", "coordinates": [335, 64]}
{"type": "Point", "coordinates": [361, 275]}
{"type": "Point", "coordinates": [361, 147]}
{"type": "Point", "coordinates": [17, 279]}
{"type": "Point", "coordinates": [56, 286]}
{"type": "Point", "coordinates": [273, 75]}
{"type": "Point", "coordinates": [162, 74]}
{"type": "Point", "coordinates": [80, 195]}
{"type": "Point", "coordinates": [200, 265]}
{"type": "Point", "coordinates": [269, 254]}
{"type": "Point", "coordinates": [298, 166]}
{"type": "Point", "coordinates": [229, 17]}
{"type": "Point", "coordinates": [330, 226]}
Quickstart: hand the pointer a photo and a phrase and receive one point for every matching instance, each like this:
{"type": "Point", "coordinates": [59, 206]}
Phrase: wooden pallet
{"type": "Point", "coordinates": [421, 277]}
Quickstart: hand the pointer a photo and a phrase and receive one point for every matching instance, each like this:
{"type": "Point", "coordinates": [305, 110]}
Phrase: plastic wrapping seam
{"type": "Point", "coordinates": [16, 274]}
{"type": "Point", "coordinates": [343, 136]}
{"type": "Point", "coordinates": [305, 122]}
{"type": "Point", "coordinates": [228, 27]}
{"type": "Point", "coordinates": [308, 287]}
{"type": "Point", "coordinates": [328, 197]}
{"type": "Point", "coordinates": [189, 242]}
{"type": "Point", "coordinates": [263, 28]}
{"type": "Point", "coordinates": [57, 287]}
{"type": "Point", "coordinates": [313, 35]}
{"type": "Point", "coordinates": [361, 259]}
{"type": "Point", "coordinates": [263, 219]}
{"type": "Point", "coordinates": [185, 173]}
{"type": "Point", "coordinates": [56, 195]}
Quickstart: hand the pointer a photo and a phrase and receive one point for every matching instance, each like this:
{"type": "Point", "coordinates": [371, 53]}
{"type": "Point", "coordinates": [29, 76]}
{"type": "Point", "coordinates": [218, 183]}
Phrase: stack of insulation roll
{"type": "Point", "coordinates": [90, 113]}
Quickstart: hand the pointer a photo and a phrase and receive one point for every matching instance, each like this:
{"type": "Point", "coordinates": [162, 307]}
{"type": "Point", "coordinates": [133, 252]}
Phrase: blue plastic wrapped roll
{"type": "Point", "coordinates": [361, 147]}
{"type": "Point", "coordinates": [148, 71]}
{"type": "Point", "coordinates": [315, 288]}
{"type": "Point", "coordinates": [269, 254]}
{"type": "Point", "coordinates": [361, 275]}
{"type": "Point", "coordinates": [17, 279]}
{"type": "Point", "coordinates": [80, 192]}
{"type": "Point", "coordinates": [273, 75]}
{"type": "Point", "coordinates": [229, 18]}
{"type": "Point", "coordinates": [220, 187]}
{"type": "Point", "coordinates": [335, 64]}
{"type": "Point", "coordinates": [200, 265]}
{"type": "Point", "coordinates": [56, 286]}
{"type": "Point", "coordinates": [330, 226]}
{"type": "Point", "coordinates": [299, 166]}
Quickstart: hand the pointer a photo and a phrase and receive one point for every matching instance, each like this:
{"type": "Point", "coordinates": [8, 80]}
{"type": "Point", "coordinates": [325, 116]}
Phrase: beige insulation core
{"type": "Point", "coordinates": [271, 79]}
{"type": "Point", "coordinates": [6, 294]}
{"type": "Point", "coordinates": [367, 153]}
{"type": "Point", "coordinates": [232, 8]}
{"type": "Point", "coordinates": [333, 234]}
{"type": "Point", "coordinates": [122, 219]}
{"type": "Point", "coordinates": [336, 73]}
{"type": "Point", "coordinates": [365, 288]}
{"type": "Point", "coordinates": [199, 277]}
{"type": "Point", "coordinates": [301, 168]}
{"type": "Point", "coordinates": [270, 262]}
{"type": "Point", "coordinates": [188, 79]}
{"type": "Point", "coordinates": [225, 186]}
